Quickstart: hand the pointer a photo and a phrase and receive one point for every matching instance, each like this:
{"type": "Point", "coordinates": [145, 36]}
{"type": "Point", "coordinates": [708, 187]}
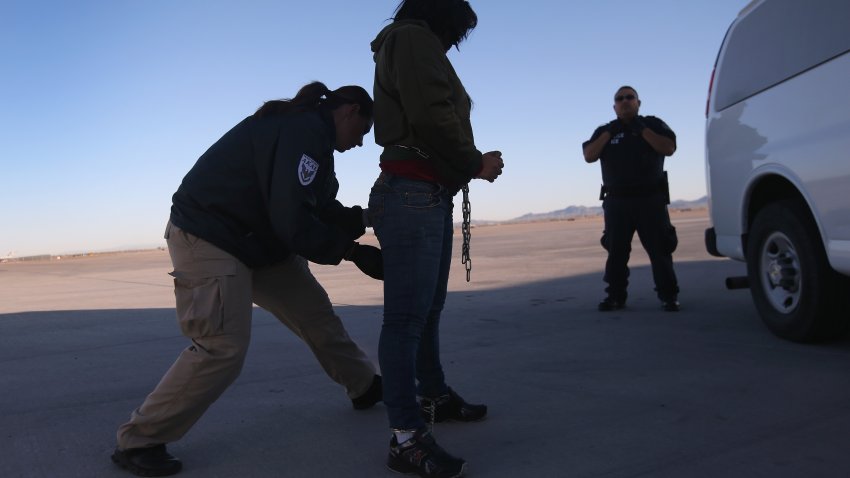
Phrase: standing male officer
{"type": "Point", "coordinates": [635, 197]}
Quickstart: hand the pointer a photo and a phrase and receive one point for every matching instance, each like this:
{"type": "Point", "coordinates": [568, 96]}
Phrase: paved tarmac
{"type": "Point", "coordinates": [573, 392]}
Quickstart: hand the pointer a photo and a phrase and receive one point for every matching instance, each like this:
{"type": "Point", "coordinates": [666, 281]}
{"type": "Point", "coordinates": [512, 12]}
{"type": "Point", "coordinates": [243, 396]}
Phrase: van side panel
{"type": "Point", "coordinates": [729, 169]}
{"type": "Point", "coordinates": [798, 129]}
{"type": "Point", "coordinates": [780, 109]}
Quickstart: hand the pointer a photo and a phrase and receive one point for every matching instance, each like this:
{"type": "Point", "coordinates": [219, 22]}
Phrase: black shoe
{"type": "Point", "coordinates": [371, 397]}
{"type": "Point", "coordinates": [451, 407]}
{"type": "Point", "coordinates": [154, 461]}
{"type": "Point", "coordinates": [422, 456]}
{"type": "Point", "coordinates": [670, 305]}
{"type": "Point", "coordinates": [609, 303]}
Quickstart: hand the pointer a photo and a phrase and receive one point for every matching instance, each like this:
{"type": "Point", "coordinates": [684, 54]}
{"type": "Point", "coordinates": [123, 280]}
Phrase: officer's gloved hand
{"type": "Point", "coordinates": [637, 125]}
{"type": "Point", "coordinates": [615, 127]}
{"type": "Point", "coordinates": [351, 221]}
{"type": "Point", "coordinates": [368, 259]}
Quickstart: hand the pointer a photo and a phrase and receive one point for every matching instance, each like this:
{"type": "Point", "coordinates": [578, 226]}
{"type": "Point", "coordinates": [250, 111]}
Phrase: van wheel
{"type": "Point", "coordinates": [796, 292]}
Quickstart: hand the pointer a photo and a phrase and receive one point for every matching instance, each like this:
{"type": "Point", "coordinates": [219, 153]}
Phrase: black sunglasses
{"type": "Point", "coordinates": [624, 97]}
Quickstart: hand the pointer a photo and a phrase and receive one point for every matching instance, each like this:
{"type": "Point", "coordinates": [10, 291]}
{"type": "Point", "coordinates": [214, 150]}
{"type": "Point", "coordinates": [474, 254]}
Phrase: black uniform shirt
{"type": "Point", "coordinates": [261, 190]}
{"type": "Point", "coordinates": [628, 161]}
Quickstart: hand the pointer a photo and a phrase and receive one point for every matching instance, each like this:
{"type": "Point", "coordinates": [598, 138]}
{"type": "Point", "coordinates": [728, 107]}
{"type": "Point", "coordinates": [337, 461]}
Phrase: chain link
{"type": "Point", "coordinates": [467, 234]}
{"type": "Point", "coordinates": [432, 411]}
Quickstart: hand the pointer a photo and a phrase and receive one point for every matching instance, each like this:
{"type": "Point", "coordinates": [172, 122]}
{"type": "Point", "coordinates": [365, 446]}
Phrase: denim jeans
{"type": "Point", "coordinates": [413, 222]}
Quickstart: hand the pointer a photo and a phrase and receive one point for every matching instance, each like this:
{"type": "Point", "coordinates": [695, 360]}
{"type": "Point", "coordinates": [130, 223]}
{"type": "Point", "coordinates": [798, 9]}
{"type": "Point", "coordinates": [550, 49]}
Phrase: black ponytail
{"type": "Point", "coordinates": [316, 95]}
{"type": "Point", "coordinates": [308, 98]}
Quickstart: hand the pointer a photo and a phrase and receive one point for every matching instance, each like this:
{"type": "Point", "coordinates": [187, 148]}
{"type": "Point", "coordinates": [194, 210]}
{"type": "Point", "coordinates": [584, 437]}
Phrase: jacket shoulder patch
{"type": "Point", "coordinates": [307, 169]}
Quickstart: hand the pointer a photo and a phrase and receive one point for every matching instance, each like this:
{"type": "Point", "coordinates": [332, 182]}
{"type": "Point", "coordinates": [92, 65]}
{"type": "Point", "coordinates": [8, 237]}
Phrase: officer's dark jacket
{"type": "Point", "coordinates": [254, 195]}
{"type": "Point", "coordinates": [629, 163]}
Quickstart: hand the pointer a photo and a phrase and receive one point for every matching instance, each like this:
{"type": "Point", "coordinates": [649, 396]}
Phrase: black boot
{"type": "Point", "coordinates": [670, 305]}
{"type": "Point", "coordinates": [154, 461]}
{"type": "Point", "coordinates": [610, 303]}
{"type": "Point", "coordinates": [451, 407]}
{"type": "Point", "coordinates": [371, 397]}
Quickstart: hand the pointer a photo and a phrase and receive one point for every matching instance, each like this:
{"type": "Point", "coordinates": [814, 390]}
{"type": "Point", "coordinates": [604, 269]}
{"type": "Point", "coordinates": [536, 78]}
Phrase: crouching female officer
{"type": "Point", "coordinates": [244, 222]}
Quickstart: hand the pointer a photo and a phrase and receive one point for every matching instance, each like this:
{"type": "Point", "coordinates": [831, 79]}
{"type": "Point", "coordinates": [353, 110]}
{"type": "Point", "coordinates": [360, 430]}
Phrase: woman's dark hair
{"type": "Point", "coordinates": [315, 96]}
{"type": "Point", "coordinates": [451, 20]}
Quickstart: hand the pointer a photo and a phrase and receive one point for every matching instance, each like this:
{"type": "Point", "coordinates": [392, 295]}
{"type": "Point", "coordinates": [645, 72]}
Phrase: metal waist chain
{"type": "Point", "coordinates": [467, 235]}
{"type": "Point", "coordinates": [412, 148]}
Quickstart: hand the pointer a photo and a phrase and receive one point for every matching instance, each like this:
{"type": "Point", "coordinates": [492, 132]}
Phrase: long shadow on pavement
{"type": "Point", "coordinates": [572, 391]}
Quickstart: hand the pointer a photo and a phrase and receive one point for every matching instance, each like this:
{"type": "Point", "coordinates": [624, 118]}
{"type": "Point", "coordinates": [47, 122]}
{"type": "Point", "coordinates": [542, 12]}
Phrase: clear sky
{"type": "Point", "coordinates": [106, 104]}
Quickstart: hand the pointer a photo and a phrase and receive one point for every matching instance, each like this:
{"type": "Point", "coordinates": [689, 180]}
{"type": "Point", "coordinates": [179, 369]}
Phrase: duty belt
{"type": "Point", "coordinates": [637, 190]}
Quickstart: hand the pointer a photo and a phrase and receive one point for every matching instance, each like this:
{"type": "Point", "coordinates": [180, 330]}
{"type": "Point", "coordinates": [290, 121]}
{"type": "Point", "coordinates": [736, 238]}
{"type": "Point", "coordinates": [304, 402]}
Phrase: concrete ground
{"type": "Point", "coordinates": [706, 392]}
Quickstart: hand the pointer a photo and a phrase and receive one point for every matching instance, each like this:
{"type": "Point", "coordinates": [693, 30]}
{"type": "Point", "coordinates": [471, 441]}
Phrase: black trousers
{"type": "Point", "coordinates": [649, 217]}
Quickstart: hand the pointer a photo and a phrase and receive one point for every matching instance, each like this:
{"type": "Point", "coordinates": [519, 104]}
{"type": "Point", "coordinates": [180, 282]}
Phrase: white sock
{"type": "Point", "coordinates": [403, 436]}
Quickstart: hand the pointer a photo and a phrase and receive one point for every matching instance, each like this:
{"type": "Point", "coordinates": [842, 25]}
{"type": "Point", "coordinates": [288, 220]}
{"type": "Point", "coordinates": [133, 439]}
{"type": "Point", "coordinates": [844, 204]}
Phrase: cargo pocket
{"type": "Point", "coordinates": [376, 209]}
{"type": "Point", "coordinates": [604, 240]}
{"type": "Point", "coordinates": [200, 310]}
{"type": "Point", "coordinates": [671, 240]}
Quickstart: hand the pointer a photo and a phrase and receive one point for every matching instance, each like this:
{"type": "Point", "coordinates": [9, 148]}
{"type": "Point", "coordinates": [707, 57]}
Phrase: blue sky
{"type": "Point", "coordinates": [107, 104]}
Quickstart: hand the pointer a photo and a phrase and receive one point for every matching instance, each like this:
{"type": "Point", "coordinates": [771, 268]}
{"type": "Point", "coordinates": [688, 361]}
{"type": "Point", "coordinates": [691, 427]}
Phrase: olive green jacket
{"type": "Point", "coordinates": [420, 102]}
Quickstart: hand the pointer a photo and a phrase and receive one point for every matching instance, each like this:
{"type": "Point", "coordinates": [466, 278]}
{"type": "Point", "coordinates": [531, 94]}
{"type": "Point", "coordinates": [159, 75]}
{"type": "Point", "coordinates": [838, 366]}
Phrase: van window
{"type": "Point", "coordinates": [776, 41]}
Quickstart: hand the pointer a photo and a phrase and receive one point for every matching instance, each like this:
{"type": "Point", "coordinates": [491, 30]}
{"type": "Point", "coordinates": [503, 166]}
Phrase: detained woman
{"type": "Point", "coordinates": [422, 119]}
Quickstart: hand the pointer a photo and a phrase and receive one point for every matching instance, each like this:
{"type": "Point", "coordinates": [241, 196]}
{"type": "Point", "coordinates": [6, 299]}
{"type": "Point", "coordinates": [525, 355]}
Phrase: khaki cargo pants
{"type": "Point", "coordinates": [214, 293]}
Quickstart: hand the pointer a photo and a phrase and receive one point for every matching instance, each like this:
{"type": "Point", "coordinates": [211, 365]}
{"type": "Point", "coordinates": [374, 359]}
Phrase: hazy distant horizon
{"type": "Point", "coordinates": [141, 246]}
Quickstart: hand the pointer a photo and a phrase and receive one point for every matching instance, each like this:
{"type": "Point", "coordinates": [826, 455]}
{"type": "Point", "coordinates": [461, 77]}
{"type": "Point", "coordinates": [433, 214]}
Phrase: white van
{"type": "Point", "coordinates": [777, 158]}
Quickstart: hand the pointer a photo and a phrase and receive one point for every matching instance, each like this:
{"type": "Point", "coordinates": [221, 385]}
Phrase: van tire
{"type": "Point", "coordinates": [797, 294]}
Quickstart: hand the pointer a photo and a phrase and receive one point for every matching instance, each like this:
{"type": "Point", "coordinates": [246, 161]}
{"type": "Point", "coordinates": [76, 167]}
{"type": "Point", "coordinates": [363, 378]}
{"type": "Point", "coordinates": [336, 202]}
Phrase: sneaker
{"type": "Point", "coordinates": [670, 306]}
{"type": "Point", "coordinates": [371, 397]}
{"type": "Point", "coordinates": [609, 303]}
{"type": "Point", "coordinates": [422, 456]}
{"type": "Point", "coordinates": [451, 407]}
{"type": "Point", "coordinates": [154, 461]}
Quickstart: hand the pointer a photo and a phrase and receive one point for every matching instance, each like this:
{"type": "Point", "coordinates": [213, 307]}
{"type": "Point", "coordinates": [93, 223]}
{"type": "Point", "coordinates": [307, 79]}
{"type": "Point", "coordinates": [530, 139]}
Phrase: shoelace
{"type": "Point", "coordinates": [431, 407]}
{"type": "Point", "coordinates": [432, 412]}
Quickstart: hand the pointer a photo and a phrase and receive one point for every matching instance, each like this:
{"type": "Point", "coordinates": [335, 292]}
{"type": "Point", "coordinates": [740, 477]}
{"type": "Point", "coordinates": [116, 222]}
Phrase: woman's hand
{"type": "Point", "coordinates": [491, 166]}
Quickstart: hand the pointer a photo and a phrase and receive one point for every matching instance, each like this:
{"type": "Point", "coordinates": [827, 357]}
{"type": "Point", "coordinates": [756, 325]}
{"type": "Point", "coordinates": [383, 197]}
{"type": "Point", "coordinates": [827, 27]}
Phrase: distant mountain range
{"type": "Point", "coordinates": [583, 211]}
{"type": "Point", "coordinates": [565, 214]}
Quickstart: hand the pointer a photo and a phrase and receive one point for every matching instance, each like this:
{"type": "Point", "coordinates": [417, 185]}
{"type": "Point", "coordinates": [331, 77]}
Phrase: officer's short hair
{"type": "Point", "coordinates": [629, 87]}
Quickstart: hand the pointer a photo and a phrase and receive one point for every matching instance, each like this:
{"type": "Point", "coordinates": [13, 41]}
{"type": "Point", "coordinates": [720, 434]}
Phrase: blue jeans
{"type": "Point", "coordinates": [413, 222]}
